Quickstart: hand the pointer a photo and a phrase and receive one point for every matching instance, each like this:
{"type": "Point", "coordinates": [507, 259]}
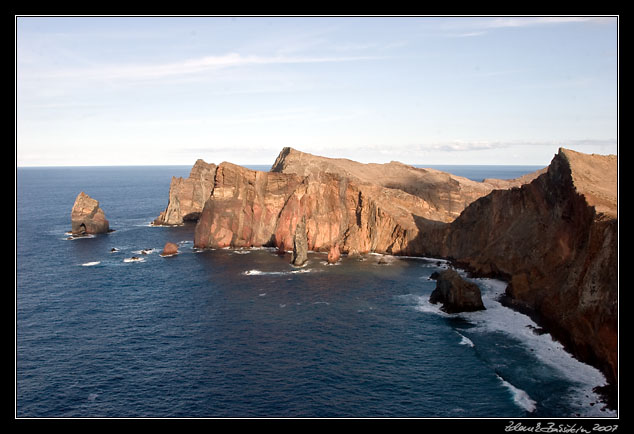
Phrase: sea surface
{"type": "Point", "coordinates": [241, 333]}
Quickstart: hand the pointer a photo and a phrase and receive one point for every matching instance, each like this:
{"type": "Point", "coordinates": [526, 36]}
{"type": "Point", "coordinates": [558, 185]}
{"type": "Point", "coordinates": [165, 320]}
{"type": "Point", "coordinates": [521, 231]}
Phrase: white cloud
{"type": "Point", "coordinates": [189, 66]}
{"type": "Point", "coordinates": [500, 22]}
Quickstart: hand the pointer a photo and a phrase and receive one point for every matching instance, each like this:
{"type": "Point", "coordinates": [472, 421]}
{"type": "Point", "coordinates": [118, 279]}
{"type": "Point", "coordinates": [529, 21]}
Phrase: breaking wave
{"type": "Point", "coordinates": [520, 397]}
{"type": "Point", "coordinates": [465, 340]}
{"type": "Point", "coordinates": [277, 273]}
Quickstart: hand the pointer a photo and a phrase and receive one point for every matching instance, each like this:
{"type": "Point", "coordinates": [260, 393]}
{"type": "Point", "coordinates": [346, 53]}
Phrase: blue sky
{"type": "Point", "coordinates": [421, 90]}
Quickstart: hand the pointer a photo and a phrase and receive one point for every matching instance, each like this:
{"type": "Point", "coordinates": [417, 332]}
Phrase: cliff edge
{"type": "Point", "coordinates": [555, 240]}
{"type": "Point", "coordinates": [187, 196]}
{"type": "Point", "coordinates": [445, 194]}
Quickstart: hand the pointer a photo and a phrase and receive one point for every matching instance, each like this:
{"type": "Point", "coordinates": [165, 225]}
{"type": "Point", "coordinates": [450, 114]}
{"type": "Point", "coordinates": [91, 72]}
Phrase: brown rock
{"type": "Point", "coordinates": [188, 196]}
{"type": "Point", "coordinates": [334, 254]}
{"type": "Point", "coordinates": [445, 195]}
{"type": "Point", "coordinates": [455, 293]}
{"type": "Point", "coordinates": [86, 216]}
{"type": "Point", "coordinates": [300, 244]}
{"type": "Point", "coordinates": [169, 249]}
{"type": "Point", "coordinates": [243, 208]}
{"type": "Point", "coordinates": [555, 241]}
{"type": "Point", "coordinates": [251, 208]}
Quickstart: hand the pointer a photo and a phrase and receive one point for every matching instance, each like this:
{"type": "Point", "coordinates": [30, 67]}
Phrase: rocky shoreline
{"type": "Point", "coordinates": [551, 235]}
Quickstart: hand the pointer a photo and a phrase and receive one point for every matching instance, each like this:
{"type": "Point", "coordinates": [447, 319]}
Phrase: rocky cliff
{"type": "Point", "coordinates": [188, 196]}
{"type": "Point", "coordinates": [446, 195]}
{"type": "Point", "coordinates": [253, 208]}
{"type": "Point", "coordinates": [555, 241]}
{"type": "Point", "coordinates": [552, 234]}
{"type": "Point", "coordinates": [384, 208]}
{"type": "Point", "coordinates": [87, 217]}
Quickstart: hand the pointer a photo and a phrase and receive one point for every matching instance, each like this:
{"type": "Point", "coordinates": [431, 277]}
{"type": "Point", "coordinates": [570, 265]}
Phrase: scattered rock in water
{"type": "Point", "coordinates": [455, 293]}
{"type": "Point", "coordinates": [334, 254]}
{"type": "Point", "coordinates": [169, 249]}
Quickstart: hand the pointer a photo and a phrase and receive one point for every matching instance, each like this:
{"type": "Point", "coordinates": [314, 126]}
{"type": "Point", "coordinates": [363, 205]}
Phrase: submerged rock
{"type": "Point", "coordinates": [455, 293]}
{"type": "Point", "coordinates": [86, 217]}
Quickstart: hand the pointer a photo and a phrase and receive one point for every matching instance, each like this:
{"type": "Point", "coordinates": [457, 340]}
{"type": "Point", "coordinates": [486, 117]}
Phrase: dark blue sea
{"type": "Point", "coordinates": [241, 333]}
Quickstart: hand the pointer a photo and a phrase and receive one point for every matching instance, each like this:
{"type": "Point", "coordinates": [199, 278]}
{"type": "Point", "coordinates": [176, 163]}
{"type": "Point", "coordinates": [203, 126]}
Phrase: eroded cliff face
{"type": "Point", "coordinates": [252, 208]}
{"type": "Point", "coordinates": [243, 208]}
{"type": "Point", "coordinates": [188, 196]}
{"type": "Point", "coordinates": [555, 241]}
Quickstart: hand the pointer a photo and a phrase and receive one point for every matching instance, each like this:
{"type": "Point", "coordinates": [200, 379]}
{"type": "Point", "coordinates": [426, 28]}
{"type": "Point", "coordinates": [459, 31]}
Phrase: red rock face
{"type": "Point", "coordinates": [446, 195]}
{"type": "Point", "coordinates": [250, 208]}
{"type": "Point", "coordinates": [86, 216]}
{"type": "Point", "coordinates": [243, 209]}
{"type": "Point", "coordinates": [188, 196]}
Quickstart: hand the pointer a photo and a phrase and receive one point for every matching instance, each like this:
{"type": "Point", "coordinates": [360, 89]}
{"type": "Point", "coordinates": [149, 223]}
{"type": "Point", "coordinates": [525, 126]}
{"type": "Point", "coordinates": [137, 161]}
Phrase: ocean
{"type": "Point", "coordinates": [241, 333]}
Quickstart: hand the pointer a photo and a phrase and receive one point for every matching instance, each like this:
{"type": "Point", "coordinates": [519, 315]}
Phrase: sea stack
{"type": "Point", "coordinates": [300, 244]}
{"type": "Point", "coordinates": [455, 293]}
{"type": "Point", "coordinates": [86, 216]}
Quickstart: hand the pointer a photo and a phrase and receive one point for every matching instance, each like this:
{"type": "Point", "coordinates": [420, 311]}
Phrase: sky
{"type": "Point", "coordinates": [158, 90]}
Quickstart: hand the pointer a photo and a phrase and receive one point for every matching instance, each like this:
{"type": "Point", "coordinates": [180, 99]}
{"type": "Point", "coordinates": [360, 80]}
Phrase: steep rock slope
{"type": "Point", "coordinates": [253, 208]}
{"type": "Point", "coordinates": [555, 241]}
{"type": "Point", "coordinates": [188, 196]}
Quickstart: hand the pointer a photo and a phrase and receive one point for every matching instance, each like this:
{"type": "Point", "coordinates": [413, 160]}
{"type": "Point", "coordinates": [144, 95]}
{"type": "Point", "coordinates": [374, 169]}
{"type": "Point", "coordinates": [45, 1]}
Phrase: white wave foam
{"type": "Point", "coordinates": [79, 237]}
{"type": "Point", "coordinates": [423, 305]}
{"type": "Point", "coordinates": [465, 340]}
{"type": "Point", "coordinates": [90, 264]}
{"type": "Point", "coordinates": [145, 251]}
{"type": "Point", "coordinates": [520, 397]}
{"type": "Point", "coordinates": [277, 273]}
{"type": "Point", "coordinates": [498, 318]}
{"type": "Point", "coordinates": [134, 259]}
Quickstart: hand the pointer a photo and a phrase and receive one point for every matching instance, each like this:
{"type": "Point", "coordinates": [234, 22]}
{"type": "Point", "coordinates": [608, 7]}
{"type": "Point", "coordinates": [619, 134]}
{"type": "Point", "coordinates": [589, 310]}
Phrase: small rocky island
{"type": "Point", "coordinates": [455, 293]}
{"type": "Point", "coordinates": [87, 217]}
